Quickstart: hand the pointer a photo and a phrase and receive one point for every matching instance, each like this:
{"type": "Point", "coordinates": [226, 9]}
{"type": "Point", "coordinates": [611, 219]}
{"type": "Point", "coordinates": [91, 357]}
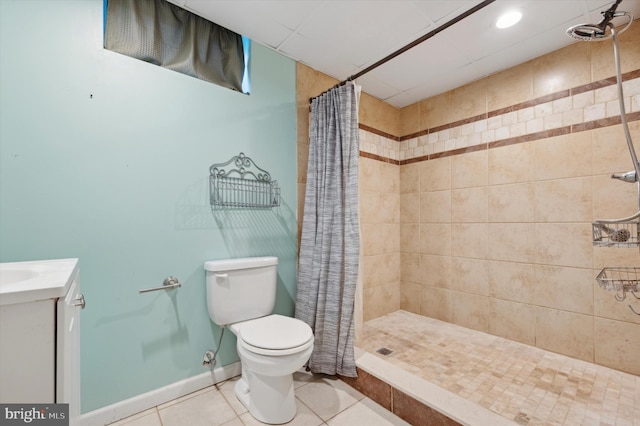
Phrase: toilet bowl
{"type": "Point", "coordinates": [271, 347]}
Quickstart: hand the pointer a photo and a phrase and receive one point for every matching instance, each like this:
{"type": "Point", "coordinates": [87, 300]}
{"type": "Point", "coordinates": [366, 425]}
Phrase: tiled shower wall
{"type": "Point", "coordinates": [478, 211]}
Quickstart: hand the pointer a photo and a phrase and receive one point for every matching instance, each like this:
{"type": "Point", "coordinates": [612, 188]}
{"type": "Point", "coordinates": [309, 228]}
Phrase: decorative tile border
{"type": "Point", "coordinates": [587, 107]}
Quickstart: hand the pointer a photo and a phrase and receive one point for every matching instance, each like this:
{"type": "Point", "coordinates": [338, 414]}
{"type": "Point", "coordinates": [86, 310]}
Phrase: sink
{"type": "Point", "coordinates": [22, 282]}
{"type": "Point", "coordinates": [10, 276]}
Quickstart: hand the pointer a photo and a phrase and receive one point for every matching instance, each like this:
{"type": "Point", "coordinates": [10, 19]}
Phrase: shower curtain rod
{"type": "Point", "coordinates": [411, 45]}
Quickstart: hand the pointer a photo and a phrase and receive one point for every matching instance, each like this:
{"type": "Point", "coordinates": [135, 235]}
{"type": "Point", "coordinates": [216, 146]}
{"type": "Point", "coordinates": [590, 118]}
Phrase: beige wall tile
{"type": "Point", "coordinates": [511, 203]}
{"type": "Point", "coordinates": [518, 80]}
{"type": "Point", "coordinates": [564, 244]}
{"type": "Point", "coordinates": [512, 242]}
{"type": "Point", "coordinates": [618, 345]}
{"type": "Point", "coordinates": [378, 114]}
{"type": "Point", "coordinates": [511, 164]}
{"type": "Point", "coordinates": [390, 208]}
{"type": "Point", "coordinates": [370, 203]}
{"type": "Point", "coordinates": [434, 111]}
{"type": "Point", "coordinates": [470, 240]}
{"type": "Point", "coordinates": [410, 178]}
{"type": "Point", "coordinates": [435, 207]}
{"type": "Point", "coordinates": [563, 69]}
{"type": "Point", "coordinates": [435, 271]}
{"type": "Point", "coordinates": [613, 199]}
{"type": "Point", "coordinates": [435, 238]}
{"type": "Point", "coordinates": [513, 320]}
{"type": "Point", "coordinates": [568, 289]}
{"type": "Point", "coordinates": [380, 269]}
{"type": "Point", "coordinates": [614, 256]}
{"type": "Point", "coordinates": [470, 310]}
{"type": "Point", "coordinates": [564, 332]}
{"type": "Point", "coordinates": [409, 208]}
{"type": "Point", "coordinates": [468, 100]}
{"type": "Point", "coordinates": [610, 149]}
{"type": "Point", "coordinates": [379, 238]}
{"type": "Point", "coordinates": [410, 297]}
{"type": "Point", "coordinates": [606, 305]}
{"type": "Point", "coordinates": [470, 205]}
{"type": "Point", "coordinates": [435, 174]}
{"type": "Point", "coordinates": [410, 267]}
{"type": "Point", "coordinates": [563, 200]}
{"type": "Point", "coordinates": [471, 169]}
{"type": "Point", "coordinates": [410, 237]}
{"type": "Point", "coordinates": [563, 156]}
{"type": "Point", "coordinates": [512, 281]}
{"type": "Point", "coordinates": [436, 303]}
{"type": "Point", "coordinates": [470, 275]}
{"type": "Point", "coordinates": [380, 300]}
{"type": "Point", "coordinates": [410, 119]}
{"type": "Point", "coordinates": [602, 64]}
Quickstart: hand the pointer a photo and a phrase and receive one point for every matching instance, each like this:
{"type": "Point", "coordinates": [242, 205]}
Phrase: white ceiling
{"type": "Point", "coordinates": [342, 37]}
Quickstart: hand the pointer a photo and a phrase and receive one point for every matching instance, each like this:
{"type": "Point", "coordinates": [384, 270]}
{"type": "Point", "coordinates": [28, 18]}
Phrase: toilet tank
{"type": "Point", "coordinates": [240, 289]}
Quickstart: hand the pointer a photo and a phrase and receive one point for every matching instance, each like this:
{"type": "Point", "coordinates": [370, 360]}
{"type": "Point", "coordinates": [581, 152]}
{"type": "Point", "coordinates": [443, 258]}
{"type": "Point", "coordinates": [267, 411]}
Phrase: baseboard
{"type": "Point", "coordinates": [128, 407]}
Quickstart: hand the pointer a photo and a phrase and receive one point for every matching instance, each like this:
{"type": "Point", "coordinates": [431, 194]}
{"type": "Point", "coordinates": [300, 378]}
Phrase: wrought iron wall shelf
{"type": "Point", "coordinates": [244, 185]}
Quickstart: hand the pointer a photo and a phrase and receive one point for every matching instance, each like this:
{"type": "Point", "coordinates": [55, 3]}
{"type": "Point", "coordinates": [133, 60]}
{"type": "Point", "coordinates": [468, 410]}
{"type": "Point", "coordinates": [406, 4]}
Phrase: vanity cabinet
{"type": "Point", "coordinates": [40, 334]}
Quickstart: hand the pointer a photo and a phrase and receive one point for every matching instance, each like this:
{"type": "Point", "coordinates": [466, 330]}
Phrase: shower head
{"type": "Point", "coordinates": [596, 32]}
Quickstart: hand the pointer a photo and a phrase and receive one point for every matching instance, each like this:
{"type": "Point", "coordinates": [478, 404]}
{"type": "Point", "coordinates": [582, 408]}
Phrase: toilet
{"type": "Point", "coordinates": [241, 294]}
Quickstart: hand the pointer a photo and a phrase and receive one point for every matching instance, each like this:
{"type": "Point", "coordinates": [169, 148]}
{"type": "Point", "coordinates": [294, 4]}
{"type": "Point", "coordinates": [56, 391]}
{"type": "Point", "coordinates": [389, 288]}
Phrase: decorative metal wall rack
{"type": "Point", "coordinates": [242, 185]}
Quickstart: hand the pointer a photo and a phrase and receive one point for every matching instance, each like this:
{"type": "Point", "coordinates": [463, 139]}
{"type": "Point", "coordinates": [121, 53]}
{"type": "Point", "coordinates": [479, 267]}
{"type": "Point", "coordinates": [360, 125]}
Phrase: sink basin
{"type": "Point", "coordinates": [10, 276]}
{"type": "Point", "coordinates": [22, 282]}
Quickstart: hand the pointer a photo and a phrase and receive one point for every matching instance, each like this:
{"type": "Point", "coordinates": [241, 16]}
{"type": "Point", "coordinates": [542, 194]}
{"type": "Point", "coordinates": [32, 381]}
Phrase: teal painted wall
{"type": "Point", "coordinates": [106, 158]}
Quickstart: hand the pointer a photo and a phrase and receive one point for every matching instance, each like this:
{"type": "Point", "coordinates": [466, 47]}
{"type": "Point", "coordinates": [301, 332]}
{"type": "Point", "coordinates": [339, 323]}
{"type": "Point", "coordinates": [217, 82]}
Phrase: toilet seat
{"type": "Point", "coordinates": [275, 335]}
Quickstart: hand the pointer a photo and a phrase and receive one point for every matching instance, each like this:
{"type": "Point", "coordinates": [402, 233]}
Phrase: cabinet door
{"type": "Point", "coordinates": [68, 351]}
{"type": "Point", "coordinates": [27, 352]}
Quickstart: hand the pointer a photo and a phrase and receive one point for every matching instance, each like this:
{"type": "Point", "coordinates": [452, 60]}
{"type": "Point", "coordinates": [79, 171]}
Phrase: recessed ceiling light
{"type": "Point", "coordinates": [508, 19]}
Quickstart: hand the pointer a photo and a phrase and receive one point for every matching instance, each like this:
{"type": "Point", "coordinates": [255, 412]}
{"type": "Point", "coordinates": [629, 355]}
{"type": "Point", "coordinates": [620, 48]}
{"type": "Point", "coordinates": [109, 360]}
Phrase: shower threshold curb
{"type": "Point", "coordinates": [433, 397]}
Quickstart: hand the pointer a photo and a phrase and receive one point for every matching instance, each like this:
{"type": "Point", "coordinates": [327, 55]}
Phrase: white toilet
{"type": "Point", "coordinates": [241, 294]}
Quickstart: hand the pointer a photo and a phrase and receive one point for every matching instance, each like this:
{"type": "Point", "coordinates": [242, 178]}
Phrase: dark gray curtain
{"type": "Point", "coordinates": [164, 34]}
{"type": "Point", "coordinates": [330, 243]}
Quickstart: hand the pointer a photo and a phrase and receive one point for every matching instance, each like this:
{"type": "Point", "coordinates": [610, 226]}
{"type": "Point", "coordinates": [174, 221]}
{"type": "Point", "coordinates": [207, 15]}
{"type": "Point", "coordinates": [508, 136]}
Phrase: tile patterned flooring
{"type": "Point", "coordinates": [480, 376]}
{"type": "Point", "coordinates": [321, 401]}
{"type": "Point", "coordinates": [523, 384]}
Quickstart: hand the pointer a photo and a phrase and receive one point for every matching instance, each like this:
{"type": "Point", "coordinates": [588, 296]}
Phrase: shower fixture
{"type": "Point", "coordinates": [630, 177]}
{"type": "Point", "coordinates": [595, 32]}
{"type": "Point", "coordinates": [616, 232]}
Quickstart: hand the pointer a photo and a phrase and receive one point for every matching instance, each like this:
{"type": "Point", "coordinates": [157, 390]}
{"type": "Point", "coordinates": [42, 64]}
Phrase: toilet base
{"type": "Point", "coordinates": [270, 399]}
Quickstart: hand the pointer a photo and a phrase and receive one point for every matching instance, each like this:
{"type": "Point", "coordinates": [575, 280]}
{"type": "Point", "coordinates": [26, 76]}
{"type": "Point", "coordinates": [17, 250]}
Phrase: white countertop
{"type": "Point", "coordinates": [22, 282]}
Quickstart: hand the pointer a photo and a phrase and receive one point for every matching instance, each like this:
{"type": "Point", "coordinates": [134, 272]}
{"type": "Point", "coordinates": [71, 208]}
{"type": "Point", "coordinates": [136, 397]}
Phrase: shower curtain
{"type": "Point", "coordinates": [330, 242]}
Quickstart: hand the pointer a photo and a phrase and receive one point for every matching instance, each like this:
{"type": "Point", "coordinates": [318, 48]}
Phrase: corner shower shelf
{"type": "Point", "coordinates": [617, 232]}
{"type": "Point", "coordinates": [245, 186]}
{"type": "Point", "coordinates": [622, 280]}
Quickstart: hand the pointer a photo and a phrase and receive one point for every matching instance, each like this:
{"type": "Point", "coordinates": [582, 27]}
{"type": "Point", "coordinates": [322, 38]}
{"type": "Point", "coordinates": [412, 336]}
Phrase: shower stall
{"type": "Point", "coordinates": [479, 259]}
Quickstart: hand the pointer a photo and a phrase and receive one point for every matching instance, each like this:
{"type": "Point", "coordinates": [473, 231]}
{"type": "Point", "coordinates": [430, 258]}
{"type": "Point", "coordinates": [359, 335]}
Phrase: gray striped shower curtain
{"type": "Point", "coordinates": [330, 241]}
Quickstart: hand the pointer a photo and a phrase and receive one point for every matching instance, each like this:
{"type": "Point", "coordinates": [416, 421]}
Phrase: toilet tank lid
{"type": "Point", "coordinates": [242, 263]}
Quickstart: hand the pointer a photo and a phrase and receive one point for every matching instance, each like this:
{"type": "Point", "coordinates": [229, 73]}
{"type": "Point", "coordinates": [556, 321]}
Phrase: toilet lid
{"type": "Point", "coordinates": [276, 332]}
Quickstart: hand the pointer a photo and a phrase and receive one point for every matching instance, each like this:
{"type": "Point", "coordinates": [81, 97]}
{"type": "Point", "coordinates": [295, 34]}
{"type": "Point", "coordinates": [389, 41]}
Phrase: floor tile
{"type": "Point", "coordinates": [521, 383]}
{"type": "Point", "coordinates": [208, 408]}
{"type": "Point", "coordinates": [328, 397]}
{"type": "Point", "coordinates": [304, 417]}
{"type": "Point", "coordinates": [366, 412]}
{"type": "Point", "coordinates": [145, 418]}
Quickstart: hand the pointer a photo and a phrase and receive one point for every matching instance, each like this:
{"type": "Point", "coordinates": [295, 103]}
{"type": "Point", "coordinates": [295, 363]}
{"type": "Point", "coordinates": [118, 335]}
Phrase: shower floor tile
{"type": "Point", "coordinates": [521, 383]}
